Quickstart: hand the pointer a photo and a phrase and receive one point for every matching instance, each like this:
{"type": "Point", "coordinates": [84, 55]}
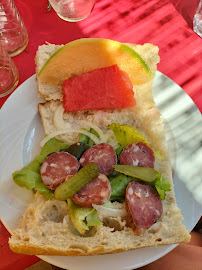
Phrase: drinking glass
{"type": "Point", "coordinates": [191, 11]}
{"type": "Point", "coordinates": [198, 20]}
{"type": "Point", "coordinates": [8, 73]}
{"type": "Point", "coordinates": [72, 10]}
{"type": "Point", "coordinates": [13, 34]}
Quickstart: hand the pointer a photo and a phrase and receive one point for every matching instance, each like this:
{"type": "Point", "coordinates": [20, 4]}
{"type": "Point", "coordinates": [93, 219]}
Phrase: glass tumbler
{"type": "Point", "coordinates": [13, 34]}
{"type": "Point", "coordinates": [8, 73]}
{"type": "Point", "coordinates": [72, 10]}
{"type": "Point", "coordinates": [198, 20]}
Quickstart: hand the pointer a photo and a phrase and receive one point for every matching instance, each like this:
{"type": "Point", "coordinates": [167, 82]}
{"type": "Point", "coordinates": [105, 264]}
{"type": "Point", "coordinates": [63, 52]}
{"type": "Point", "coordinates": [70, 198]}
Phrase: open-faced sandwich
{"type": "Point", "coordinates": [103, 180]}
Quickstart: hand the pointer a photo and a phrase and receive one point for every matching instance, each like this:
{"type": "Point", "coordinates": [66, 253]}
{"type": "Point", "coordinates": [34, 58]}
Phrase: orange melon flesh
{"type": "Point", "coordinates": [104, 88]}
{"type": "Point", "coordinates": [85, 55]}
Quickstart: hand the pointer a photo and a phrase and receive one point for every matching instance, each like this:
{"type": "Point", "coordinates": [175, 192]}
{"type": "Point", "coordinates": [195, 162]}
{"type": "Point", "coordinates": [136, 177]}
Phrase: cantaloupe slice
{"type": "Point", "coordinates": [84, 55]}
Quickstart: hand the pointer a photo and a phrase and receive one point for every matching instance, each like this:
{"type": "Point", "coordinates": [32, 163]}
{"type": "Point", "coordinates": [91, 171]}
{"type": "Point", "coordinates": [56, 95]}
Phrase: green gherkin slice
{"type": "Point", "coordinates": [143, 173]}
{"type": "Point", "coordinates": [67, 189]}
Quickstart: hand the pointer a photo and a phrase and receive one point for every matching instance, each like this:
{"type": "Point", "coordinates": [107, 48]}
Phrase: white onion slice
{"type": "Point", "coordinates": [103, 137]}
{"type": "Point", "coordinates": [60, 132]}
{"type": "Point", "coordinates": [60, 125]}
{"type": "Point", "coordinates": [58, 119]}
{"type": "Point", "coordinates": [110, 212]}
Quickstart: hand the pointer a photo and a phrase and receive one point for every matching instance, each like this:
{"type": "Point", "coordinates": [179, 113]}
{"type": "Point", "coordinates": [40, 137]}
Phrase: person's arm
{"type": "Point", "coordinates": [183, 257]}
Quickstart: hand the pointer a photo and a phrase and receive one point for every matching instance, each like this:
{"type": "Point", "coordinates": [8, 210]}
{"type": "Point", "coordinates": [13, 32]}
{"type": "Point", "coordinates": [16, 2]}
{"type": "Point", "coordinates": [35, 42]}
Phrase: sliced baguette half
{"type": "Point", "coordinates": [45, 228]}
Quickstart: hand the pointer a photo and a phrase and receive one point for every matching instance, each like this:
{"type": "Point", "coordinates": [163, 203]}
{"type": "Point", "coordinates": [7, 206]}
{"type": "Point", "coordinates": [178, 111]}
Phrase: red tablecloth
{"type": "Point", "coordinates": [132, 21]}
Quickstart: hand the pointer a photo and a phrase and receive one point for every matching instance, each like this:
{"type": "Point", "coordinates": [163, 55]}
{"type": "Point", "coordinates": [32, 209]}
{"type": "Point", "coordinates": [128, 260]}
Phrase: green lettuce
{"type": "Point", "coordinates": [30, 177]}
{"type": "Point", "coordinates": [120, 182]}
{"type": "Point", "coordinates": [161, 185]}
{"type": "Point", "coordinates": [85, 139]}
{"type": "Point", "coordinates": [119, 199]}
{"type": "Point", "coordinates": [82, 218]}
{"type": "Point", "coordinates": [93, 219]}
{"type": "Point", "coordinates": [53, 145]}
{"type": "Point", "coordinates": [126, 135]}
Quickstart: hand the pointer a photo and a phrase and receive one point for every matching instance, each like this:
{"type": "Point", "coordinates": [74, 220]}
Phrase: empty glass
{"type": "Point", "coordinates": [198, 20]}
{"type": "Point", "coordinates": [13, 34]}
{"type": "Point", "coordinates": [72, 10]}
{"type": "Point", "coordinates": [8, 73]}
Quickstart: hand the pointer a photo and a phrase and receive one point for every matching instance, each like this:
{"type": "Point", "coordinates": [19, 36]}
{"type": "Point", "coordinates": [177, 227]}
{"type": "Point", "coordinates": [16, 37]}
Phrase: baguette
{"type": "Point", "coordinates": [46, 228]}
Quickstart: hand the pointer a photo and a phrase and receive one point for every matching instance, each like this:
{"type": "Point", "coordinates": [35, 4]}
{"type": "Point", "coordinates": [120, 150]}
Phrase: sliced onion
{"type": "Point", "coordinates": [60, 125]}
{"type": "Point", "coordinates": [58, 119]}
{"type": "Point", "coordinates": [110, 212]}
{"type": "Point", "coordinates": [114, 144]}
{"type": "Point", "coordinates": [103, 137]}
{"type": "Point", "coordinates": [60, 132]}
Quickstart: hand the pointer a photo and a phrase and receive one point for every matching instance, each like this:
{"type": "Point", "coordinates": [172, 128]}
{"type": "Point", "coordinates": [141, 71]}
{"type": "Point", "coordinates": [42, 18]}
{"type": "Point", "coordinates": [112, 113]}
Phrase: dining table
{"type": "Point", "coordinates": [158, 22]}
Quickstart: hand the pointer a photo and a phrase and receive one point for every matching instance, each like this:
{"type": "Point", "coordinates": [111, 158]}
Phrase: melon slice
{"type": "Point", "coordinates": [84, 55]}
{"type": "Point", "coordinates": [104, 88]}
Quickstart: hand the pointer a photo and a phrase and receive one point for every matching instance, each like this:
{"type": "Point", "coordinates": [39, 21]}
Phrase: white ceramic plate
{"type": "Point", "coordinates": [21, 132]}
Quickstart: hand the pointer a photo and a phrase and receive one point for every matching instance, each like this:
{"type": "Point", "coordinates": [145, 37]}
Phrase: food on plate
{"type": "Point", "coordinates": [103, 180]}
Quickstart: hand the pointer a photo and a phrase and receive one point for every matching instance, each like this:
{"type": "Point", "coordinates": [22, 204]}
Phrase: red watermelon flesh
{"type": "Point", "coordinates": [104, 88]}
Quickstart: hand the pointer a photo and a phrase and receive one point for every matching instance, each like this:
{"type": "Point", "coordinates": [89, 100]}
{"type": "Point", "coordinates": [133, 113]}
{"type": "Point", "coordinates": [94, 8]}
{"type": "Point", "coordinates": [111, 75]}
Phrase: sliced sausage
{"type": "Point", "coordinates": [143, 205]}
{"type": "Point", "coordinates": [57, 167]}
{"type": "Point", "coordinates": [103, 154]}
{"type": "Point", "coordinates": [97, 191]}
{"type": "Point", "coordinates": [137, 154]}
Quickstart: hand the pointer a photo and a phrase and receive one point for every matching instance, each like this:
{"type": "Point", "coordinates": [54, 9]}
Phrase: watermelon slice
{"type": "Point", "coordinates": [104, 88]}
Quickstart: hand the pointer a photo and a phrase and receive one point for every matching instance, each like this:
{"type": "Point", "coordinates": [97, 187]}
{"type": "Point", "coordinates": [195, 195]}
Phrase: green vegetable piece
{"type": "Point", "coordinates": [44, 190]}
{"type": "Point", "coordinates": [67, 189]}
{"type": "Point", "coordinates": [119, 150]}
{"type": "Point", "coordinates": [161, 185]}
{"type": "Point", "coordinates": [30, 178]}
{"type": "Point", "coordinates": [126, 135]}
{"type": "Point", "coordinates": [120, 199]}
{"type": "Point", "coordinates": [143, 173]}
{"type": "Point", "coordinates": [93, 219]}
{"type": "Point", "coordinates": [91, 142]}
{"type": "Point", "coordinates": [119, 184]}
{"type": "Point", "coordinates": [53, 145]}
{"type": "Point", "coordinates": [83, 138]}
{"type": "Point", "coordinates": [27, 176]}
{"type": "Point", "coordinates": [77, 149]}
{"type": "Point", "coordinates": [78, 215]}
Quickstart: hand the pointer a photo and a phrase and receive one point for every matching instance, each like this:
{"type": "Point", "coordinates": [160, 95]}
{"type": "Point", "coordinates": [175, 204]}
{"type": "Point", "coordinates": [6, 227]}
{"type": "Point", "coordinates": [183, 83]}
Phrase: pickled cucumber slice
{"type": "Point", "coordinates": [66, 190]}
{"type": "Point", "coordinates": [143, 173]}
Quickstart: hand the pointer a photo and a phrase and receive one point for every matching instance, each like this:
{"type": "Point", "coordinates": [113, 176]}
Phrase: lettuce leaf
{"type": "Point", "coordinates": [119, 184]}
{"type": "Point", "coordinates": [53, 145]}
{"type": "Point", "coordinates": [79, 215]}
{"type": "Point", "coordinates": [85, 139]}
{"type": "Point", "coordinates": [91, 142]}
{"type": "Point", "coordinates": [161, 185]}
{"type": "Point", "coordinates": [93, 219]}
{"type": "Point", "coordinates": [119, 199]}
{"type": "Point", "coordinates": [30, 177]}
{"type": "Point", "coordinates": [126, 135]}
